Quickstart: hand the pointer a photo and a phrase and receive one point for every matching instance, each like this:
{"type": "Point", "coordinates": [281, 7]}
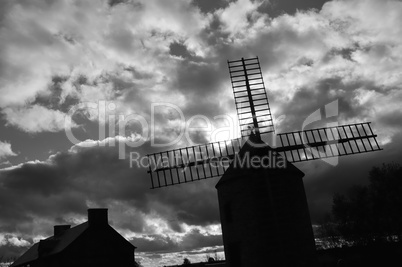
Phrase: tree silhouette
{"type": "Point", "coordinates": [372, 212]}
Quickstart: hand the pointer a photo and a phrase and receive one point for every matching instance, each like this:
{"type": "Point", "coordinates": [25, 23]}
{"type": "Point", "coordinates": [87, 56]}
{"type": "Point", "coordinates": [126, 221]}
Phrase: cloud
{"type": "Point", "coordinates": [239, 17]}
{"type": "Point", "coordinates": [37, 48]}
{"type": "Point", "coordinates": [37, 195]}
{"type": "Point", "coordinates": [5, 150]}
{"type": "Point", "coordinates": [55, 56]}
{"type": "Point", "coordinates": [131, 62]}
{"type": "Point", "coordinates": [17, 242]}
{"type": "Point", "coordinates": [36, 119]}
{"type": "Point", "coordinates": [189, 241]}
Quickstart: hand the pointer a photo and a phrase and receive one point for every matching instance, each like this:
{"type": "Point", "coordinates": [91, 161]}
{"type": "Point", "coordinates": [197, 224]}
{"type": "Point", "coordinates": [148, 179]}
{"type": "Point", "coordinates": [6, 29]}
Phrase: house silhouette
{"type": "Point", "coordinates": [90, 244]}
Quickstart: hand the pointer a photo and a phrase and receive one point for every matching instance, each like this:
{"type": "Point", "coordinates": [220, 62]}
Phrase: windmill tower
{"type": "Point", "coordinates": [263, 208]}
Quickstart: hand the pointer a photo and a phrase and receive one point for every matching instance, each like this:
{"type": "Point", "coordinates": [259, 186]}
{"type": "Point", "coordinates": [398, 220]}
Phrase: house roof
{"type": "Point", "coordinates": [28, 256]}
{"type": "Point", "coordinates": [60, 243]}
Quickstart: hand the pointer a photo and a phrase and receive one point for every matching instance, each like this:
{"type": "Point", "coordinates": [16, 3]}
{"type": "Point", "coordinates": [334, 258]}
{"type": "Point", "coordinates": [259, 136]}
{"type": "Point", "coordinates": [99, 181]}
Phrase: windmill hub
{"type": "Point", "coordinates": [255, 154]}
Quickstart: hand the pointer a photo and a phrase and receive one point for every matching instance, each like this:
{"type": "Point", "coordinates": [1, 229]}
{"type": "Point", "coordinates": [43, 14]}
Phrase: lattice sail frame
{"type": "Point", "coordinates": [211, 160]}
{"type": "Point", "coordinates": [192, 163]}
{"type": "Point", "coordinates": [250, 97]}
{"type": "Point", "coordinates": [328, 142]}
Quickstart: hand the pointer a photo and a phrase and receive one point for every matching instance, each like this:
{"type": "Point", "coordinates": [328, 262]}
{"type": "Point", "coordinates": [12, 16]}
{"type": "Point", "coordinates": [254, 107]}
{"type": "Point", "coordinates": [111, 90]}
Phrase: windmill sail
{"type": "Point", "coordinates": [193, 163]}
{"type": "Point", "coordinates": [196, 163]}
{"type": "Point", "coordinates": [250, 96]}
{"type": "Point", "coordinates": [328, 142]}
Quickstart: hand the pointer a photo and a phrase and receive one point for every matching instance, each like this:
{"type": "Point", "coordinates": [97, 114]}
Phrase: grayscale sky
{"type": "Point", "coordinates": [60, 57]}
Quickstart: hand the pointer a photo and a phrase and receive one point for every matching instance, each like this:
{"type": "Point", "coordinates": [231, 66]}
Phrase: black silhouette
{"type": "Point", "coordinates": [372, 213]}
{"type": "Point", "coordinates": [264, 213]}
{"type": "Point", "coordinates": [91, 244]}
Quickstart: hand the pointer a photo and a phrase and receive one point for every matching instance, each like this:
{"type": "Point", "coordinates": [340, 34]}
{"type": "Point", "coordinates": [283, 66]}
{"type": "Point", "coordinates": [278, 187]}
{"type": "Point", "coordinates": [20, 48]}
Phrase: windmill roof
{"type": "Point", "coordinates": [60, 242]}
{"type": "Point", "coordinates": [254, 146]}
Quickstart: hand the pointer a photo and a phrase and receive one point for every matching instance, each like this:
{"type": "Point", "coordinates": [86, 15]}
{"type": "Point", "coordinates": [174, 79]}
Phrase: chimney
{"type": "Point", "coordinates": [97, 217]}
{"type": "Point", "coordinates": [59, 229]}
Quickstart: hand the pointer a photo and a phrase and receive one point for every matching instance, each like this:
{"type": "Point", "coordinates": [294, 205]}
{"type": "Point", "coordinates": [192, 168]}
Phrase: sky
{"type": "Point", "coordinates": [85, 84]}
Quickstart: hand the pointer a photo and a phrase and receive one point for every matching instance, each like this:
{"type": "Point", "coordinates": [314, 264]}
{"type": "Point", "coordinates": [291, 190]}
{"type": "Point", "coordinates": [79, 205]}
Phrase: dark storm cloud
{"type": "Point", "coordinates": [136, 54]}
{"type": "Point", "coordinates": [344, 52]}
{"type": "Point", "coordinates": [116, 2]}
{"type": "Point", "coordinates": [322, 181]}
{"type": "Point", "coordinates": [392, 119]}
{"type": "Point", "coordinates": [209, 6]}
{"type": "Point", "coordinates": [59, 189]}
{"type": "Point", "coordinates": [180, 50]}
{"type": "Point", "coordinates": [318, 95]}
{"type": "Point", "coordinates": [201, 78]}
{"type": "Point", "coordinates": [53, 98]}
{"type": "Point", "coordinates": [9, 252]}
{"type": "Point", "coordinates": [279, 7]}
{"type": "Point", "coordinates": [195, 204]}
{"type": "Point", "coordinates": [43, 179]}
{"type": "Point", "coordinates": [138, 74]}
{"type": "Point", "coordinates": [190, 241]}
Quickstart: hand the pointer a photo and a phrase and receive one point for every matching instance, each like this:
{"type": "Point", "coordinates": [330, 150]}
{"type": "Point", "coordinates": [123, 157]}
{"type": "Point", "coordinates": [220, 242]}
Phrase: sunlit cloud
{"type": "Point", "coordinates": [95, 63]}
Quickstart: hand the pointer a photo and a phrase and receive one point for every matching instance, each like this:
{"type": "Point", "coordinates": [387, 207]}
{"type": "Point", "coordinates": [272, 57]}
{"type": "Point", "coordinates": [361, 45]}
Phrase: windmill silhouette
{"type": "Point", "coordinates": [263, 208]}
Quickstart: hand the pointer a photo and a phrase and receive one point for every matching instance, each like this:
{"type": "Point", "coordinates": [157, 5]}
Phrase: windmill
{"type": "Point", "coordinates": [264, 213]}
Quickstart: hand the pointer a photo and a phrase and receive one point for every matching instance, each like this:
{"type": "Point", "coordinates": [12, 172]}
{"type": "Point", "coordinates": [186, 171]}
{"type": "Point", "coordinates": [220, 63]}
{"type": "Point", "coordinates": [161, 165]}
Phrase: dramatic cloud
{"type": "Point", "coordinates": [96, 52]}
{"type": "Point", "coordinates": [106, 64]}
{"type": "Point", "coordinates": [37, 195]}
{"type": "Point", "coordinates": [338, 52]}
